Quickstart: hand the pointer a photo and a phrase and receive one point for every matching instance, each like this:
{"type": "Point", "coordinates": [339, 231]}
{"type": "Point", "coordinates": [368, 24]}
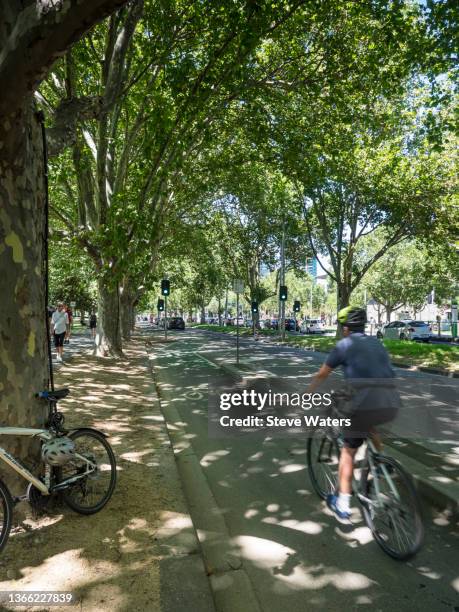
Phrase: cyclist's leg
{"type": "Point", "coordinates": [346, 469]}
{"type": "Point", "coordinates": [376, 438]}
{"type": "Point", "coordinates": [382, 416]}
{"type": "Point", "coordinates": [340, 503]}
{"type": "Point", "coordinates": [352, 440]}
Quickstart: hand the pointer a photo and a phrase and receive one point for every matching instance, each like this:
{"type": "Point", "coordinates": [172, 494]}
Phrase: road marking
{"type": "Point", "coordinates": [211, 363]}
{"type": "Point", "coordinates": [194, 395]}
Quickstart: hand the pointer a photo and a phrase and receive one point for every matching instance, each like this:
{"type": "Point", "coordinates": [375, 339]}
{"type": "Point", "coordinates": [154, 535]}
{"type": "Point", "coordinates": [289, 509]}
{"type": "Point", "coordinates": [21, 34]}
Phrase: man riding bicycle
{"type": "Point", "coordinates": [368, 371]}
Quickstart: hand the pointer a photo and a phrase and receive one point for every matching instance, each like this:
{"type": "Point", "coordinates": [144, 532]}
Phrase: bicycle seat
{"type": "Point", "coordinates": [55, 395]}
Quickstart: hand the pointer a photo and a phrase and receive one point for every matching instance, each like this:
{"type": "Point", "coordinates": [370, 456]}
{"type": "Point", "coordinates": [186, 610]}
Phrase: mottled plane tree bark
{"type": "Point", "coordinates": [33, 34]}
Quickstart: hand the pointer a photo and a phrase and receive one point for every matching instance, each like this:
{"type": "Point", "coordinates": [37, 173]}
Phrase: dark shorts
{"type": "Point", "coordinates": [363, 421]}
{"type": "Point", "coordinates": [59, 339]}
{"type": "Point", "coordinates": [92, 325]}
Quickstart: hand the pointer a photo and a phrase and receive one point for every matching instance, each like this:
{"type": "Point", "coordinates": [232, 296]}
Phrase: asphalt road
{"type": "Point", "coordinates": [295, 553]}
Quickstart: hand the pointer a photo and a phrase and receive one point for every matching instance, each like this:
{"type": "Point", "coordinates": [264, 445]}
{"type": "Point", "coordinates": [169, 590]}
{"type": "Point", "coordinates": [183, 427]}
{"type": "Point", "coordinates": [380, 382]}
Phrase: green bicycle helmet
{"type": "Point", "coordinates": [352, 317]}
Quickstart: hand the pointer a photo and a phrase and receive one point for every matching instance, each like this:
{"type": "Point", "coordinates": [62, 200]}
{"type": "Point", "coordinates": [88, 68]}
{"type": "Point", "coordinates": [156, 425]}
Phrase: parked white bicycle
{"type": "Point", "coordinates": [78, 463]}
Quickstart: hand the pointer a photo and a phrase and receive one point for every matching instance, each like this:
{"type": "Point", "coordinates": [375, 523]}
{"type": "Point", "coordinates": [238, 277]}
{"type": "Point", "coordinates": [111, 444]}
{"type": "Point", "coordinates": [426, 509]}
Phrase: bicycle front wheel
{"type": "Point", "coordinates": [323, 462]}
{"type": "Point", "coordinates": [393, 512]}
{"type": "Point", "coordinates": [6, 514]}
{"type": "Point", "coordinates": [91, 493]}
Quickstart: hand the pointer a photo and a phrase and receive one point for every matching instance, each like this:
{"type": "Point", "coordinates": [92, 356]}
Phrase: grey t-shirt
{"type": "Point", "coordinates": [367, 368]}
{"type": "Point", "coordinates": [60, 320]}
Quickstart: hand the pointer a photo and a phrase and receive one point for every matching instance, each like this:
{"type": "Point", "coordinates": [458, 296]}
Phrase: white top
{"type": "Point", "coordinates": [60, 321]}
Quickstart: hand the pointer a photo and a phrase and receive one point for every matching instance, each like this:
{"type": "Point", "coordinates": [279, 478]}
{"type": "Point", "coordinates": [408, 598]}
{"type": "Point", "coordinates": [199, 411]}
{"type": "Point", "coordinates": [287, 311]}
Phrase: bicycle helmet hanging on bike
{"type": "Point", "coordinates": [353, 317]}
{"type": "Point", "coordinates": [58, 451]}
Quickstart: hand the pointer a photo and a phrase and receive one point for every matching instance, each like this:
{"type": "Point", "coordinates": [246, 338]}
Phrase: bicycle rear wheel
{"type": "Point", "coordinates": [323, 462]}
{"type": "Point", "coordinates": [90, 494]}
{"type": "Point", "coordinates": [6, 514]}
{"type": "Point", "coordinates": [394, 516]}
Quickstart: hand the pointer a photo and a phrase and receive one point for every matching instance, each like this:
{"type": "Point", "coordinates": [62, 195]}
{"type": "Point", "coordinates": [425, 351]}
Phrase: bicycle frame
{"type": "Point", "coordinates": [369, 462]}
{"type": "Point", "coordinates": [42, 434]}
{"type": "Point", "coordinates": [5, 456]}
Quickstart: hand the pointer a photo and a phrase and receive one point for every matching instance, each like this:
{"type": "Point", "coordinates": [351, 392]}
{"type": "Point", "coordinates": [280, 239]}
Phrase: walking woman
{"type": "Point", "coordinates": [93, 324]}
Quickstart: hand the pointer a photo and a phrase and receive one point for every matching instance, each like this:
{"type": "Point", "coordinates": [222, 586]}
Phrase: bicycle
{"type": "Point", "coordinates": [388, 498]}
{"type": "Point", "coordinates": [79, 464]}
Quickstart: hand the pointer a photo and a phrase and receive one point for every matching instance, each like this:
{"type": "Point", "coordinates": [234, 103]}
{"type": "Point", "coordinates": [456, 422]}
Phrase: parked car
{"type": "Point", "coordinates": [312, 326]}
{"type": "Point", "coordinates": [406, 330]}
{"type": "Point", "coordinates": [292, 325]}
{"type": "Point", "coordinates": [274, 324]}
{"type": "Point", "coordinates": [175, 323]}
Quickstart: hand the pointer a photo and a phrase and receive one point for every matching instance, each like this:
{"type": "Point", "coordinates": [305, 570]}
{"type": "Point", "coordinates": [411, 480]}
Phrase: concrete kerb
{"type": "Point", "coordinates": [397, 364]}
{"type": "Point", "coordinates": [230, 584]}
{"type": "Point", "coordinates": [438, 491]}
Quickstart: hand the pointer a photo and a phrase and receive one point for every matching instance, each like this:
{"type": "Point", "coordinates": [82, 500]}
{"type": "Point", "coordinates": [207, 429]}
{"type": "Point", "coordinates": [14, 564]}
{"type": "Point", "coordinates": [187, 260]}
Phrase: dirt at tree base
{"type": "Point", "coordinates": [112, 560]}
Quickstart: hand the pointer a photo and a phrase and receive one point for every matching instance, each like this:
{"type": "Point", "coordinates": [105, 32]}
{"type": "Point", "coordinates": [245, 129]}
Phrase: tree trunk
{"type": "Point", "coordinates": [108, 340]}
{"type": "Point", "coordinates": [226, 304]}
{"type": "Point", "coordinates": [127, 299]}
{"type": "Point", "coordinates": [388, 313]}
{"type": "Point", "coordinates": [133, 313]}
{"type": "Point", "coordinates": [23, 349]}
{"type": "Point", "coordinates": [32, 36]}
{"type": "Point", "coordinates": [219, 311]}
{"type": "Point", "coordinates": [203, 313]}
{"type": "Point", "coordinates": [343, 295]}
{"type": "Point", "coordinates": [126, 310]}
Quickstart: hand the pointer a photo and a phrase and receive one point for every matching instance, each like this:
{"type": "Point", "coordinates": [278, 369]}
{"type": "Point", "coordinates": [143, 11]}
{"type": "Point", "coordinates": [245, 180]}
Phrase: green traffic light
{"type": "Point", "coordinates": [283, 292]}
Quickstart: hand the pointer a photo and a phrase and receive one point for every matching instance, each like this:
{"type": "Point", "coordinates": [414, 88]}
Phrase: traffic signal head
{"type": "Point", "coordinates": [160, 305]}
{"type": "Point", "coordinates": [283, 293]}
{"type": "Point", "coordinates": [296, 306]}
{"type": "Point", "coordinates": [165, 287]}
{"type": "Point", "coordinates": [254, 307]}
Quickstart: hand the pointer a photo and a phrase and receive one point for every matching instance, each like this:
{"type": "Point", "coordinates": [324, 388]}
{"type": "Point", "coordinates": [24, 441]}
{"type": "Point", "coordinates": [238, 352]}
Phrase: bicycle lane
{"type": "Point", "coordinates": [424, 435]}
{"type": "Point", "coordinates": [295, 555]}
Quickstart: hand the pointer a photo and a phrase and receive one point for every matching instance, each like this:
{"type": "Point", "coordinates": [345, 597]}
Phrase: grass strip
{"type": "Point", "coordinates": [441, 356]}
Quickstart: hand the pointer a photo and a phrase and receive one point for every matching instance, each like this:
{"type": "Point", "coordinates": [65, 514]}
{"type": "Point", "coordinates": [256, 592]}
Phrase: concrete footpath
{"type": "Point", "coordinates": [140, 553]}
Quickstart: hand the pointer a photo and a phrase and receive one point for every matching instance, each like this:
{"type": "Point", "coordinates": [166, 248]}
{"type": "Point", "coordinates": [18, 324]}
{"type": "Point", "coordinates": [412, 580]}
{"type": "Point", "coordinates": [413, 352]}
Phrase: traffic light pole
{"type": "Point", "coordinates": [165, 317]}
{"type": "Point", "coordinates": [282, 313]}
{"type": "Point", "coordinates": [453, 319]}
{"type": "Point", "coordinates": [237, 328]}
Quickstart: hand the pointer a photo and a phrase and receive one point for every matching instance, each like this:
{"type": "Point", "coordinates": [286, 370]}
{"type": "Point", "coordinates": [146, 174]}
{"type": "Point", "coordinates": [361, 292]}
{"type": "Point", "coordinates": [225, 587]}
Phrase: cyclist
{"type": "Point", "coordinates": [375, 400]}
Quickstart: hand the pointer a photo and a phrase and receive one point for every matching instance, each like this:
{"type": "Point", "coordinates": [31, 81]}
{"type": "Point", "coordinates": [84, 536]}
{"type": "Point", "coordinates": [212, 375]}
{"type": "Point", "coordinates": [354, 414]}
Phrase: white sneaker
{"type": "Point", "coordinates": [58, 358]}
